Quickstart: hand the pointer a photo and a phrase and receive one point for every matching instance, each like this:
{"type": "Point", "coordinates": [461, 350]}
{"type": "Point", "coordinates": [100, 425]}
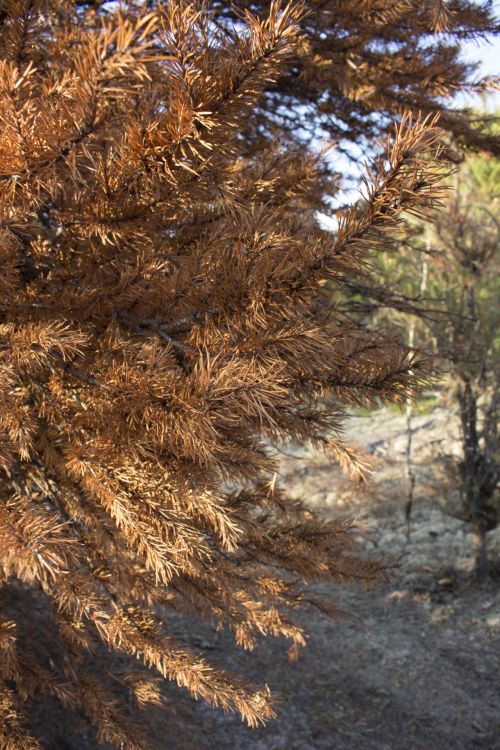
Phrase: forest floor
{"type": "Point", "coordinates": [420, 670]}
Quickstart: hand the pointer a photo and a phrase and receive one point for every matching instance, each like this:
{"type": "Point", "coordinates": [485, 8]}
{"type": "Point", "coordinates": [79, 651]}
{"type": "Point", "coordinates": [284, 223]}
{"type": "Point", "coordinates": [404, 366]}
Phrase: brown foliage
{"type": "Point", "coordinates": [362, 64]}
{"type": "Point", "coordinates": [162, 324]}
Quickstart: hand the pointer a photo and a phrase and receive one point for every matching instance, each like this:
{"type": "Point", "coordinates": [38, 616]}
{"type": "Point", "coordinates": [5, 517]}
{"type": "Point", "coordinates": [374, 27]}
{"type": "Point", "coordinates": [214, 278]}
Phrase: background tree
{"type": "Point", "coordinates": [457, 315]}
{"type": "Point", "coordinates": [468, 235]}
{"type": "Point", "coordinates": [163, 320]}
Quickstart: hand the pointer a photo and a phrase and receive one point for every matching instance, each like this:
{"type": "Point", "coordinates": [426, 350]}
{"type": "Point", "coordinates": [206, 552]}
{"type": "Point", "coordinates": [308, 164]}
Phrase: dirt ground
{"type": "Point", "coordinates": [422, 671]}
{"type": "Point", "coordinates": [419, 670]}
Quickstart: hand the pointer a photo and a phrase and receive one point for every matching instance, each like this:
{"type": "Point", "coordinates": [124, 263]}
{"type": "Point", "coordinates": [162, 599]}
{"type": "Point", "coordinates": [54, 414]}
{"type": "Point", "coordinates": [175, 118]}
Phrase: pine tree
{"type": "Point", "coordinates": [163, 322]}
{"type": "Point", "coordinates": [363, 63]}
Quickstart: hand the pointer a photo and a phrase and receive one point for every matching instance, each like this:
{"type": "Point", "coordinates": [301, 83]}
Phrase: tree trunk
{"type": "Point", "coordinates": [482, 564]}
{"type": "Point", "coordinates": [471, 478]}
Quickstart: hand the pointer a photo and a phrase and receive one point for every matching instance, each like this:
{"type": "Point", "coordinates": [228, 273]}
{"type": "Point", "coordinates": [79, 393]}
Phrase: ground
{"type": "Point", "coordinates": [420, 670]}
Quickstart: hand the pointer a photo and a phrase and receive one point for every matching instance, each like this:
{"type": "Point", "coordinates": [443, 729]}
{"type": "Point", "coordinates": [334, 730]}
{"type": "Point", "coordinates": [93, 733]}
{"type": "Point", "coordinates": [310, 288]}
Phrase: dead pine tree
{"type": "Point", "coordinates": [362, 63]}
{"type": "Point", "coordinates": [162, 323]}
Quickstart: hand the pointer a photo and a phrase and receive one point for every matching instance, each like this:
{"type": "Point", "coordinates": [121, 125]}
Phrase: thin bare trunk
{"type": "Point", "coordinates": [410, 471]}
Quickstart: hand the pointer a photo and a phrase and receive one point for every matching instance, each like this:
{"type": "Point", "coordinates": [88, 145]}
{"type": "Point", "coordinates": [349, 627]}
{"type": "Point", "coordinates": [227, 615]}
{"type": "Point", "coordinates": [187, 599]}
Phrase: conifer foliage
{"type": "Point", "coordinates": [162, 325]}
{"type": "Point", "coordinates": [362, 63]}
